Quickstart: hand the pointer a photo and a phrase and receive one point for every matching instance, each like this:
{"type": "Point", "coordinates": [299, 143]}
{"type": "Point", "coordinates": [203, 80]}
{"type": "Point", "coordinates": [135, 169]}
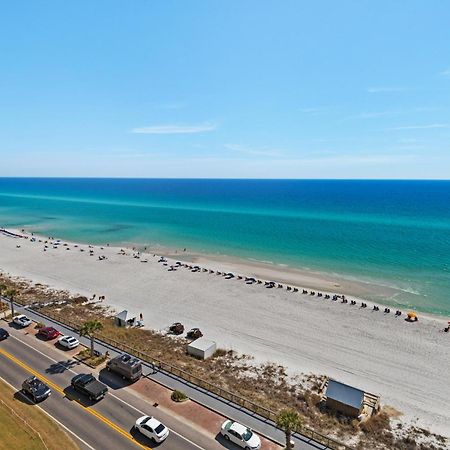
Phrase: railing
{"type": "Point", "coordinates": [206, 385]}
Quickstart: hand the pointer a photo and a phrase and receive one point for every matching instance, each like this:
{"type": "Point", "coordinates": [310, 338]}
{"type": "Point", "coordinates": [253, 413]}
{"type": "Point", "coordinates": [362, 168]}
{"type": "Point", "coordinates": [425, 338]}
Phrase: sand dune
{"type": "Point", "coordinates": [408, 364]}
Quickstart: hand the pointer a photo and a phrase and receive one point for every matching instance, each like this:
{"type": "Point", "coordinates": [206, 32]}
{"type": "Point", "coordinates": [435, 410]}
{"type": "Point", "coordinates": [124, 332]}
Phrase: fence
{"type": "Point", "coordinates": [25, 422]}
{"type": "Point", "coordinates": [203, 384]}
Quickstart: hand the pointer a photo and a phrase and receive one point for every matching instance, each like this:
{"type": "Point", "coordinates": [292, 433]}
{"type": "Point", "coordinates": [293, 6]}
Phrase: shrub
{"type": "Point", "coordinates": [178, 396]}
{"type": "Point", "coordinates": [39, 325]}
{"type": "Point", "coordinates": [377, 424]}
{"type": "Point", "coordinates": [220, 352]}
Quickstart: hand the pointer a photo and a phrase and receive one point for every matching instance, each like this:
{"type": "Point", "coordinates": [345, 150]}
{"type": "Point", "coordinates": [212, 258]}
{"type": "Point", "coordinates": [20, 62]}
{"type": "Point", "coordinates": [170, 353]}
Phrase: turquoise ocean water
{"type": "Point", "coordinates": [396, 233]}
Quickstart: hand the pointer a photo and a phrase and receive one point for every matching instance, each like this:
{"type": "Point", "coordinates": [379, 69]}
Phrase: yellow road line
{"type": "Point", "coordinates": [61, 391]}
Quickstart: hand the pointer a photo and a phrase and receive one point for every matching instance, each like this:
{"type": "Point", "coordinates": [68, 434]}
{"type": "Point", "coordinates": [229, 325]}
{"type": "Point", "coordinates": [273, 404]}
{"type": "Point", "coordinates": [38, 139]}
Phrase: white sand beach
{"type": "Point", "coordinates": [408, 364]}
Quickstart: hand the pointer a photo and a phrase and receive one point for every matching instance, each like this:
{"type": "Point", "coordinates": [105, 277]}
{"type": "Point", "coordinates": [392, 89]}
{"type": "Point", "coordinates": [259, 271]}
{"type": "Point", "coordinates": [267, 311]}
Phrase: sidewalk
{"type": "Point", "coordinates": [218, 407]}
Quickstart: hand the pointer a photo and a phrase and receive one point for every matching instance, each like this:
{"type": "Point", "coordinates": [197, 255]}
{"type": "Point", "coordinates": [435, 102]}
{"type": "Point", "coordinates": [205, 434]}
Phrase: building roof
{"type": "Point", "coordinates": [202, 344]}
{"type": "Point", "coordinates": [122, 315]}
{"type": "Point", "coordinates": [343, 393]}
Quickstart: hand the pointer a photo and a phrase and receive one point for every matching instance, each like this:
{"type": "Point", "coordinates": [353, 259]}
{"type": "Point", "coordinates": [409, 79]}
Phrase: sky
{"type": "Point", "coordinates": [225, 89]}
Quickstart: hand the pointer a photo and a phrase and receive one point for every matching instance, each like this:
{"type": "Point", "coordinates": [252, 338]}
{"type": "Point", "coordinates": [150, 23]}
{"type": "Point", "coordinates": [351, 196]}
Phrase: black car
{"type": "Point", "coordinates": [36, 389]}
{"type": "Point", "coordinates": [3, 334]}
{"type": "Point", "coordinates": [88, 385]}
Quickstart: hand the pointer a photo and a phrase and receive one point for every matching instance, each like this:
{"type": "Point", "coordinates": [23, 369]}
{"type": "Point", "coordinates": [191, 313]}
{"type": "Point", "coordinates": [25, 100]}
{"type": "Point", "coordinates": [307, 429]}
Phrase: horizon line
{"type": "Point", "coordinates": [221, 178]}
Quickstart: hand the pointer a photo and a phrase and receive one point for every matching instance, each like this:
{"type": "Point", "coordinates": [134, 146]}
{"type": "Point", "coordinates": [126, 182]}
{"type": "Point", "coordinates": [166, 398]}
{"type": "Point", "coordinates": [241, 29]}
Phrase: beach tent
{"type": "Point", "coordinates": [412, 316]}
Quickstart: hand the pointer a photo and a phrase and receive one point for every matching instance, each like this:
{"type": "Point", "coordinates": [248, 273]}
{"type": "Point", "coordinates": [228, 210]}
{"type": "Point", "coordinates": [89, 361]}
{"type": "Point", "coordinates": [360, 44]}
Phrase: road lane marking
{"type": "Point", "coordinates": [50, 383]}
{"type": "Point", "coordinates": [112, 395]}
{"type": "Point", "coordinates": [49, 415]}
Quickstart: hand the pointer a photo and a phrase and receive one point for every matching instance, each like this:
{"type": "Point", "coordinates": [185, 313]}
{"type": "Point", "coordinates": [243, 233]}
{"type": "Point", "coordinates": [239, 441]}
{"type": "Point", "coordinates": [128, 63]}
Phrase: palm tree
{"type": "Point", "coordinates": [2, 290]}
{"type": "Point", "coordinates": [289, 421]}
{"type": "Point", "coordinates": [9, 293]}
{"type": "Point", "coordinates": [90, 329]}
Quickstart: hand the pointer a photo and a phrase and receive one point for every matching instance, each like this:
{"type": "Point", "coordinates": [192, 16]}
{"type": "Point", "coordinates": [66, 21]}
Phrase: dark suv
{"type": "Point", "coordinates": [3, 334]}
{"type": "Point", "coordinates": [36, 389]}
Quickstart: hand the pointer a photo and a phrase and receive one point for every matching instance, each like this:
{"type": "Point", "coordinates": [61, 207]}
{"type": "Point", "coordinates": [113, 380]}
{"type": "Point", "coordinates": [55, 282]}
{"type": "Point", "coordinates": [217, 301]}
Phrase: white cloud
{"type": "Point", "coordinates": [374, 114]}
{"type": "Point", "coordinates": [445, 73]}
{"type": "Point", "coordinates": [253, 151]}
{"type": "Point", "coordinates": [175, 129]}
{"type": "Point", "coordinates": [422, 127]}
{"type": "Point", "coordinates": [315, 110]}
{"type": "Point", "coordinates": [377, 89]}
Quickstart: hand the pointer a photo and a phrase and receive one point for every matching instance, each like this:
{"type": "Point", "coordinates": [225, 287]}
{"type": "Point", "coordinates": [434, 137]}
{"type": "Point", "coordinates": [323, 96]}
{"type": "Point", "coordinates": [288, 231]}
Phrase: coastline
{"type": "Point", "coordinates": [371, 291]}
{"type": "Point", "coordinates": [407, 363]}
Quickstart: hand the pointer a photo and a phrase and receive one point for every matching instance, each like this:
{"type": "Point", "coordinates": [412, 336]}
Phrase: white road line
{"type": "Point", "coordinates": [49, 415]}
{"type": "Point", "coordinates": [110, 394]}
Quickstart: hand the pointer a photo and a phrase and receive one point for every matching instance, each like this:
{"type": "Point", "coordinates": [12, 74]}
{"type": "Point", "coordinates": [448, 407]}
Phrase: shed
{"type": "Point", "coordinates": [202, 348]}
{"type": "Point", "coordinates": [124, 319]}
{"type": "Point", "coordinates": [344, 398]}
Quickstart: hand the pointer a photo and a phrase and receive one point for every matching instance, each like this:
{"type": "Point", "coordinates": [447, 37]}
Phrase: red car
{"type": "Point", "coordinates": [48, 333]}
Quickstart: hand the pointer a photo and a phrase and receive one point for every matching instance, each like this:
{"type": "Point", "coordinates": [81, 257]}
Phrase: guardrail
{"type": "Point", "coordinates": [243, 402]}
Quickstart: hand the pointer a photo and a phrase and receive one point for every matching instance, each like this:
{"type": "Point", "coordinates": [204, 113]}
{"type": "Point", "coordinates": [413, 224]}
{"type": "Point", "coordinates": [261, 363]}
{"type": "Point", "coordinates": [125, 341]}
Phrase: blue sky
{"type": "Point", "coordinates": [257, 89]}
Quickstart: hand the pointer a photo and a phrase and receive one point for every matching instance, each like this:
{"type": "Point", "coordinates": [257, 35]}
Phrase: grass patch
{"type": "Point", "coordinates": [178, 396]}
{"type": "Point", "coordinates": [93, 361]}
{"type": "Point", "coordinates": [15, 435]}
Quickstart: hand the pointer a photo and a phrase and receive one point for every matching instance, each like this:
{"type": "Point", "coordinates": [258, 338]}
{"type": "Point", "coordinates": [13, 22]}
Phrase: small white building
{"type": "Point", "coordinates": [125, 319]}
{"type": "Point", "coordinates": [202, 348]}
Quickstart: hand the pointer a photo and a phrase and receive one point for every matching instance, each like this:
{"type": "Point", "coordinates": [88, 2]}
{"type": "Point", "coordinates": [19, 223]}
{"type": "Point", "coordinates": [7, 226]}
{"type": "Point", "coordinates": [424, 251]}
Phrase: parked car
{"type": "Point", "coordinates": [3, 334]}
{"type": "Point", "coordinates": [194, 333]}
{"type": "Point", "coordinates": [177, 328]}
{"type": "Point", "coordinates": [88, 385]}
{"type": "Point", "coordinates": [22, 320]}
{"type": "Point", "coordinates": [126, 366]}
{"type": "Point", "coordinates": [36, 389]}
{"type": "Point", "coordinates": [48, 333]}
{"type": "Point", "coordinates": [68, 342]}
{"type": "Point", "coordinates": [152, 428]}
{"type": "Point", "coordinates": [240, 435]}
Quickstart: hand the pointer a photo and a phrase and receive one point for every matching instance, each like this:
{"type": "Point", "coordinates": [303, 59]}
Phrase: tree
{"type": "Point", "coordinates": [289, 421]}
{"type": "Point", "coordinates": [9, 293]}
{"type": "Point", "coordinates": [90, 329]}
{"type": "Point", "coordinates": [2, 289]}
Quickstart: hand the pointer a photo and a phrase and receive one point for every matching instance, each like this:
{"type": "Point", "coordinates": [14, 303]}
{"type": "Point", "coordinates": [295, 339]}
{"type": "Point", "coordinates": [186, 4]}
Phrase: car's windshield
{"type": "Point", "coordinates": [247, 435]}
{"type": "Point", "coordinates": [159, 428]}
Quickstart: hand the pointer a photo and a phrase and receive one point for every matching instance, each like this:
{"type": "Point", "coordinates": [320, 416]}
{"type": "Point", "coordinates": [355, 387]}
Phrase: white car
{"type": "Point", "coordinates": [240, 435]}
{"type": "Point", "coordinates": [68, 342]}
{"type": "Point", "coordinates": [22, 320]}
{"type": "Point", "coordinates": [152, 428]}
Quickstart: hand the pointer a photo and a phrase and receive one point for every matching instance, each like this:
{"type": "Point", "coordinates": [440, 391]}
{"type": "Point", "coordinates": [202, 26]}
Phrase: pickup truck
{"type": "Point", "coordinates": [87, 384]}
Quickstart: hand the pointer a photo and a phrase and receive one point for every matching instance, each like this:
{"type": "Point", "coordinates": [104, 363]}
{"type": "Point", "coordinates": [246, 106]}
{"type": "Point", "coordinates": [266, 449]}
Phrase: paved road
{"type": "Point", "coordinates": [106, 424]}
{"type": "Point", "coordinates": [202, 396]}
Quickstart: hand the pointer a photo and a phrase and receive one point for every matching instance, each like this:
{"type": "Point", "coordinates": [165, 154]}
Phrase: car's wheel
{"type": "Point", "coordinates": [227, 438]}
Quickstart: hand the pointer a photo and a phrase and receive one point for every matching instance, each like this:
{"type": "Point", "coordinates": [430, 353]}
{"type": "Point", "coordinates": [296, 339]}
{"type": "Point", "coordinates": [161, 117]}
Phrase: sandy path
{"type": "Point", "coordinates": [408, 364]}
